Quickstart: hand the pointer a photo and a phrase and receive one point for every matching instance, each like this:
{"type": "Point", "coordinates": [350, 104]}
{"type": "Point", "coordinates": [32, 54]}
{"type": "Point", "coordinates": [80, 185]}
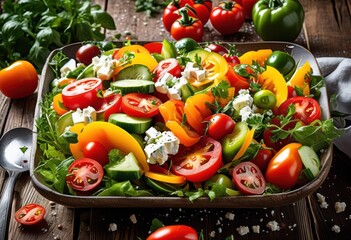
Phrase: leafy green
{"type": "Point", "coordinates": [150, 7]}
{"type": "Point", "coordinates": [31, 29]}
{"type": "Point", "coordinates": [123, 189]}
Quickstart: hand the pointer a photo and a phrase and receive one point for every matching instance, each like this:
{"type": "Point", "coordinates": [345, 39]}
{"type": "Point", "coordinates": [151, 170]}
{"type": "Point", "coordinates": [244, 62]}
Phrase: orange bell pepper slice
{"type": "Point", "coordinates": [259, 56]}
{"type": "Point", "coordinates": [57, 104]}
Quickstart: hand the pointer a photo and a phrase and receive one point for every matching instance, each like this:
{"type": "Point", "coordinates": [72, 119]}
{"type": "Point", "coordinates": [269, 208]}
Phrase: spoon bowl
{"type": "Point", "coordinates": [15, 148]}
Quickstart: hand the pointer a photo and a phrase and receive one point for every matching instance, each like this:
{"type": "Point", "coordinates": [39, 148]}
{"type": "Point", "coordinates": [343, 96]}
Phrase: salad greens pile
{"type": "Point", "coordinates": [30, 29]}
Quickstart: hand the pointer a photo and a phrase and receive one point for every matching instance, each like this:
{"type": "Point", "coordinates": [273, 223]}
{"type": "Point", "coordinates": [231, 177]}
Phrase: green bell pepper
{"type": "Point", "coordinates": [282, 61]}
{"type": "Point", "coordinates": [279, 20]}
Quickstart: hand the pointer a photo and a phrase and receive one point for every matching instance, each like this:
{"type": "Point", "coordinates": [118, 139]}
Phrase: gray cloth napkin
{"type": "Point", "coordinates": [337, 74]}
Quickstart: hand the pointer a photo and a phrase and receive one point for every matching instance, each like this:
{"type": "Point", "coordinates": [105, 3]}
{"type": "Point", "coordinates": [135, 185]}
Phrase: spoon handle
{"type": "Point", "coordinates": [5, 203]}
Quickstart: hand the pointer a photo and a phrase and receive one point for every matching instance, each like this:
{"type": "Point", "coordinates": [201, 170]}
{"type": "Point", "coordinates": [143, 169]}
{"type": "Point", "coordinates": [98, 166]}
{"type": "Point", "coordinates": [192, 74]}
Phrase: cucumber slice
{"type": "Point", "coordinates": [64, 121]}
{"type": "Point", "coordinates": [125, 169]}
{"type": "Point", "coordinates": [130, 124]}
{"type": "Point", "coordinates": [136, 71]}
{"type": "Point", "coordinates": [186, 91]}
{"type": "Point", "coordinates": [161, 187]}
{"type": "Point", "coordinates": [133, 86]}
{"type": "Point", "coordinates": [310, 161]}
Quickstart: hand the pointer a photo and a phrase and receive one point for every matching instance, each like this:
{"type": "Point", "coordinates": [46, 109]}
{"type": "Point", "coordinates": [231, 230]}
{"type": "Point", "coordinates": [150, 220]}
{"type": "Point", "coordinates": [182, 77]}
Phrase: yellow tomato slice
{"type": "Point", "coordinates": [111, 136]}
{"type": "Point", "coordinates": [301, 78]}
{"type": "Point", "coordinates": [274, 81]}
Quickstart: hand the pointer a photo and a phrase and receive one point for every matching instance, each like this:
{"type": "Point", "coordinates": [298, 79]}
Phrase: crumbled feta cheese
{"type": "Point", "coordinates": [245, 113]}
{"type": "Point", "coordinates": [243, 230]}
{"type": "Point", "coordinates": [104, 66]}
{"type": "Point", "coordinates": [112, 227]}
{"type": "Point", "coordinates": [170, 85]}
{"type": "Point", "coordinates": [86, 115]}
{"type": "Point", "coordinates": [256, 228]}
{"type": "Point", "coordinates": [230, 215]}
{"type": "Point", "coordinates": [190, 71]}
{"type": "Point", "coordinates": [133, 219]}
{"type": "Point", "coordinates": [151, 135]}
{"type": "Point", "coordinates": [339, 207]}
{"type": "Point", "coordinates": [321, 200]}
{"type": "Point", "coordinates": [212, 234]}
{"type": "Point", "coordinates": [68, 67]}
{"type": "Point", "coordinates": [244, 99]}
{"type": "Point", "coordinates": [273, 226]}
{"type": "Point", "coordinates": [336, 228]}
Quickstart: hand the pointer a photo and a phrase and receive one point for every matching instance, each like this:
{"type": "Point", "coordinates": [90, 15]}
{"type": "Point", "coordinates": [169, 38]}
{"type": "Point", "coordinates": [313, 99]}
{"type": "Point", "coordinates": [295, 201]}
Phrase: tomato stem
{"type": "Point", "coordinates": [186, 20]}
{"type": "Point", "coordinates": [228, 5]}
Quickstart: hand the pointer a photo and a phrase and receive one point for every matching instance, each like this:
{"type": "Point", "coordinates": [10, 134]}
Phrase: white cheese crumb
{"type": "Point", "coordinates": [243, 230]}
{"type": "Point", "coordinates": [321, 200]}
{"type": "Point", "coordinates": [340, 207]}
{"type": "Point", "coordinates": [212, 234]}
{"type": "Point", "coordinates": [133, 218]}
{"type": "Point", "coordinates": [335, 228]}
{"type": "Point", "coordinates": [256, 228]}
{"type": "Point", "coordinates": [112, 227]}
{"type": "Point", "coordinates": [273, 226]}
{"type": "Point", "coordinates": [230, 216]}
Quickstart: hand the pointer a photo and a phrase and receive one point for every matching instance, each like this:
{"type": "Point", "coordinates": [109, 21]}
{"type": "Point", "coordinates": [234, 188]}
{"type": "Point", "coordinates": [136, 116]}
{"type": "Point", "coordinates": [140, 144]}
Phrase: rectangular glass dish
{"type": "Point", "coordinates": [242, 201]}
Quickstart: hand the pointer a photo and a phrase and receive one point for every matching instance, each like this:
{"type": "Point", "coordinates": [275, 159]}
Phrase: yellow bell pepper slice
{"type": "Point", "coordinates": [111, 136]}
{"type": "Point", "coordinates": [259, 56]}
{"type": "Point", "coordinates": [301, 78]}
{"type": "Point", "coordinates": [273, 80]}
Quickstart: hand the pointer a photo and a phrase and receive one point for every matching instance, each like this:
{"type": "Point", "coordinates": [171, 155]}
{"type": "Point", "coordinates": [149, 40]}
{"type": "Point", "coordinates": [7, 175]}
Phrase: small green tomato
{"type": "Point", "coordinates": [265, 99]}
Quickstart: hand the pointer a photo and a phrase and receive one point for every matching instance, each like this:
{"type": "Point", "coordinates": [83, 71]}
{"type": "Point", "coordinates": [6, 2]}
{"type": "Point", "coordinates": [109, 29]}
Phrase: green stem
{"type": "Point", "coordinates": [185, 20]}
{"type": "Point", "coordinates": [275, 3]}
{"type": "Point", "coordinates": [228, 5]}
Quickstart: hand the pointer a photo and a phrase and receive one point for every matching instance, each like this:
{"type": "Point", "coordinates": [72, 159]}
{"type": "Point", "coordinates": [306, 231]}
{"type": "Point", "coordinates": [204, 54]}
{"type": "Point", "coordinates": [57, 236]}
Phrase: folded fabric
{"type": "Point", "coordinates": [337, 74]}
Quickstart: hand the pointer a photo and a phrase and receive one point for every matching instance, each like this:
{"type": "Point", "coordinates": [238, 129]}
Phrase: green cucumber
{"type": "Point", "coordinates": [130, 124]}
{"type": "Point", "coordinates": [133, 86]}
{"type": "Point", "coordinates": [161, 187]}
{"type": "Point", "coordinates": [136, 71]}
{"type": "Point", "coordinates": [310, 161]}
{"type": "Point", "coordinates": [125, 169]}
{"type": "Point", "coordinates": [64, 121]}
{"type": "Point", "coordinates": [186, 91]}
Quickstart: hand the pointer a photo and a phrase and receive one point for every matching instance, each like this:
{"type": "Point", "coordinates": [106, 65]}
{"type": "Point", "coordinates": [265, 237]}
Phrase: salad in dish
{"type": "Point", "coordinates": [180, 119]}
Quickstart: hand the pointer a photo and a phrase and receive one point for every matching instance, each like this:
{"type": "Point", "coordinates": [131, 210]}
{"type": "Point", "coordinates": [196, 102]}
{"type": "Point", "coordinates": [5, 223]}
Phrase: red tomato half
{"type": "Point", "coordinates": [81, 93]}
{"type": "Point", "coordinates": [153, 47]}
{"type": "Point", "coordinates": [96, 151]}
{"type": "Point", "coordinates": [199, 162]}
{"type": "Point", "coordinates": [174, 232]}
{"type": "Point", "coordinates": [248, 178]}
{"type": "Point", "coordinates": [109, 105]}
{"type": "Point", "coordinates": [84, 174]}
{"type": "Point", "coordinates": [30, 214]}
{"type": "Point", "coordinates": [169, 65]}
{"type": "Point", "coordinates": [140, 105]}
{"type": "Point", "coordinates": [306, 109]}
{"type": "Point", "coordinates": [219, 125]}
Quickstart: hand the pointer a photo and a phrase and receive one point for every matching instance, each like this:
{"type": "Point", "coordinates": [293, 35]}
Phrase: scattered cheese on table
{"type": "Point", "coordinates": [243, 230]}
{"type": "Point", "coordinates": [273, 226]}
{"type": "Point", "coordinates": [335, 228]}
{"type": "Point", "coordinates": [340, 207]}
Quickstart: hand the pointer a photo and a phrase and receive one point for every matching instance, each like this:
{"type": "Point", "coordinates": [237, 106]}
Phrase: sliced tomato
{"type": "Point", "coordinates": [248, 178]}
{"type": "Point", "coordinates": [140, 105]}
{"type": "Point", "coordinates": [108, 105]}
{"type": "Point", "coordinates": [306, 109]}
{"type": "Point", "coordinates": [153, 47]}
{"type": "Point", "coordinates": [84, 174]}
{"type": "Point", "coordinates": [81, 93]}
{"type": "Point", "coordinates": [30, 214]}
{"type": "Point", "coordinates": [199, 162]}
{"type": "Point", "coordinates": [169, 65]}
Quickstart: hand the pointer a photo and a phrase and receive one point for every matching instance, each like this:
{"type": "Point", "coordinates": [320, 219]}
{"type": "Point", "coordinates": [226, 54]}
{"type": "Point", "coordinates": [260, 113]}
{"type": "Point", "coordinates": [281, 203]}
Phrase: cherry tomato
{"type": "Point", "coordinates": [265, 99]}
{"type": "Point", "coordinates": [140, 105]}
{"type": "Point", "coordinates": [18, 80]}
{"type": "Point", "coordinates": [248, 178]}
{"type": "Point", "coordinates": [217, 48]}
{"type": "Point", "coordinates": [84, 174]}
{"type": "Point", "coordinates": [203, 9]}
{"type": "Point", "coordinates": [219, 125]}
{"type": "Point", "coordinates": [291, 92]}
{"type": "Point", "coordinates": [153, 47]}
{"type": "Point", "coordinates": [284, 168]}
{"type": "Point", "coordinates": [198, 162]}
{"type": "Point", "coordinates": [247, 7]}
{"type": "Point", "coordinates": [170, 14]}
{"type": "Point", "coordinates": [169, 65]}
{"type": "Point", "coordinates": [86, 53]}
{"type": "Point", "coordinates": [221, 179]}
{"type": "Point", "coordinates": [227, 18]}
{"type": "Point", "coordinates": [108, 105]}
{"type": "Point", "coordinates": [262, 159]}
{"type": "Point", "coordinates": [81, 93]}
{"type": "Point", "coordinates": [96, 151]}
{"type": "Point", "coordinates": [306, 109]}
{"type": "Point", "coordinates": [232, 60]}
{"type": "Point", "coordinates": [187, 27]}
{"type": "Point", "coordinates": [174, 232]}
{"type": "Point", "coordinates": [30, 214]}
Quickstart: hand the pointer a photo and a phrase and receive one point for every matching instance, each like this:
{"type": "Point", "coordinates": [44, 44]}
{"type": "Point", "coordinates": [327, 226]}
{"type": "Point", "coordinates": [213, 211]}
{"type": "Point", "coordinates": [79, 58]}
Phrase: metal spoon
{"type": "Point", "coordinates": [15, 148]}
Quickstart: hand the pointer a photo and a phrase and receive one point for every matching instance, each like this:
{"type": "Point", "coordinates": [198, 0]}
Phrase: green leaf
{"type": "Point", "coordinates": [103, 18]}
{"type": "Point", "coordinates": [45, 36]}
{"type": "Point", "coordinates": [38, 54]}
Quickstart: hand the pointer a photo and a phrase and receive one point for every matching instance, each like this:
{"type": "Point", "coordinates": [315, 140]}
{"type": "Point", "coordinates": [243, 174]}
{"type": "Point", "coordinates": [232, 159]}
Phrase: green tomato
{"type": "Point", "coordinates": [186, 45]}
{"type": "Point", "coordinates": [232, 142]}
{"type": "Point", "coordinates": [279, 20]}
{"type": "Point", "coordinates": [221, 179]}
{"type": "Point", "coordinates": [265, 99]}
{"type": "Point", "coordinates": [281, 61]}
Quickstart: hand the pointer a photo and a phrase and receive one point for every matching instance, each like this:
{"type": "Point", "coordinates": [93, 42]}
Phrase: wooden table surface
{"type": "Point", "coordinates": [327, 32]}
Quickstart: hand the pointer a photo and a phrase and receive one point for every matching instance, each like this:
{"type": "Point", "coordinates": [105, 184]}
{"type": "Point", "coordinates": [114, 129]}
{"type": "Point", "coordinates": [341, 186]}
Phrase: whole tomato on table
{"type": "Point", "coordinates": [171, 14]}
{"type": "Point", "coordinates": [18, 80]}
{"type": "Point", "coordinates": [174, 232]}
{"type": "Point", "coordinates": [187, 27]}
{"type": "Point", "coordinates": [227, 18]}
{"type": "Point", "coordinates": [203, 9]}
{"type": "Point", "coordinates": [279, 20]}
{"type": "Point", "coordinates": [247, 7]}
